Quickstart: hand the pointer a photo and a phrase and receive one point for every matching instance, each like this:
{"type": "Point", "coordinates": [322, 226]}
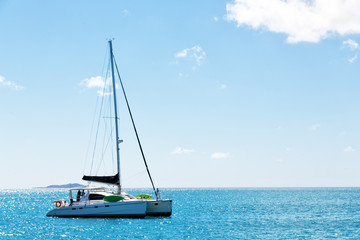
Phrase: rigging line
{"type": "Point", "coordinates": [91, 132]}
{"type": "Point", "coordinates": [96, 137]}
{"type": "Point", "coordinates": [97, 130]}
{"type": "Point", "coordinates": [133, 177]}
{"type": "Point", "coordinates": [108, 127]}
{"type": "Point", "coordinates": [94, 114]}
{"type": "Point", "coordinates": [106, 137]}
{"type": "Point", "coordinates": [102, 151]}
{"type": "Point", "coordinates": [136, 133]}
{"type": "Point", "coordinates": [105, 147]}
{"type": "Point", "coordinates": [111, 136]}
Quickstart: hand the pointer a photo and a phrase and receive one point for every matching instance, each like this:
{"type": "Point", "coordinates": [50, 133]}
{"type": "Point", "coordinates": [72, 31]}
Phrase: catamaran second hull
{"type": "Point", "coordinates": [158, 208]}
{"type": "Point", "coordinates": [125, 209]}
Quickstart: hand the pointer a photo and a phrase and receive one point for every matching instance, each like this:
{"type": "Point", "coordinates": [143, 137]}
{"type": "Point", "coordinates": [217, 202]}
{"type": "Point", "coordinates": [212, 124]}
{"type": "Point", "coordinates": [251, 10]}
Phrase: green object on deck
{"type": "Point", "coordinates": [113, 198]}
{"type": "Point", "coordinates": [144, 196]}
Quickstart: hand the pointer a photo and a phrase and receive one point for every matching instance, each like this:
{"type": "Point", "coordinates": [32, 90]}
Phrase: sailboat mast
{"type": "Point", "coordinates": [116, 116]}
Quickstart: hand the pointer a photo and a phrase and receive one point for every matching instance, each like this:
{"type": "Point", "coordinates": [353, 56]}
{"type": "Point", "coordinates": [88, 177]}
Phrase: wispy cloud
{"type": "Point", "coordinates": [353, 45]}
{"type": "Point", "coordinates": [219, 155]}
{"type": "Point", "coordinates": [215, 19]}
{"type": "Point", "coordinates": [100, 83]}
{"type": "Point", "coordinates": [93, 82]}
{"type": "Point", "coordinates": [314, 127]}
{"type": "Point", "coordinates": [10, 84]}
{"type": "Point", "coordinates": [223, 86]}
{"type": "Point", "coordinates": [180, 150]}
{"type": "Point", "coordinates": [300, 20]}
{"type": "Point", "coordinates": [353, 59]}
{"type": "Point", "coordinates": [349, 149]}
{"type": "Point", "coordinates": [196, 53]}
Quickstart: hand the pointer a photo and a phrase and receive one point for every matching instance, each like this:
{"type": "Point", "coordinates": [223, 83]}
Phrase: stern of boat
{"type": "Point", "coordinates": [159, 208]}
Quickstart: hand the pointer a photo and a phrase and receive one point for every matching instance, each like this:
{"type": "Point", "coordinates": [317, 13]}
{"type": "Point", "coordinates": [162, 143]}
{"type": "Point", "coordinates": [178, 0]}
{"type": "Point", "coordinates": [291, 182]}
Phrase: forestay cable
{"type": "Point", "coordinates": [137, 136]}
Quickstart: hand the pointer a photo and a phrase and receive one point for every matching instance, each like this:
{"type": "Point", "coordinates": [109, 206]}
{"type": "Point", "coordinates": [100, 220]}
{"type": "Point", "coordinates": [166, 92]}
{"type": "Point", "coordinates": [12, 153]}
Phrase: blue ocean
{"type": "Point", "coordinates": [304, 213]}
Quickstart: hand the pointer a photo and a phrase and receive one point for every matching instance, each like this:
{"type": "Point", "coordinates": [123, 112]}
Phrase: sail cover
{"type": "Point", "coordinates": [103, 179]}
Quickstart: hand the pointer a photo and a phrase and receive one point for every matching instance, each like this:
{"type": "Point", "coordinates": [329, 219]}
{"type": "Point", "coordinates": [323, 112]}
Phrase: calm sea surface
{"type": "Point", "coordinates": [317, 213]}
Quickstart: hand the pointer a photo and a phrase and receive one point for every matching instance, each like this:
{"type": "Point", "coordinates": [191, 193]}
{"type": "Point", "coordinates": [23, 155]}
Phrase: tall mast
{"type": "Point", "coordinates": [116, 116]}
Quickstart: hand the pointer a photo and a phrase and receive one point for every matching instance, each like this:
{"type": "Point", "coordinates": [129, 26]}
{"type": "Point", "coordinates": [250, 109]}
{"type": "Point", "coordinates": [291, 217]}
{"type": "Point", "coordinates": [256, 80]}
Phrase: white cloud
{"type": "Point", "coordinates": [100, 83]}
{"type": "Point", "coordinates": [314, 127]}
{"type": "Point", "coordinates": [180, 150]}
{"type": "Point", "coordinates": [300, 20]}
{"type": "Point", "coordinates": [353, 45]}
{"type": "Point", "coordinates": [97, 82]}
{"type": "Point", "coordinates": [10, 84]}
{"type": "Point", "coordinates": [349, 149]}
{"type": "Point", "coordinates": [195, 53]}
{"type": "Point", "coordinates": [183, 53]}
{"type": "Point", "coordinates": [215, 19]}
{"type": "Point", "coordinates": [223, 86]}
{"type": "Point", "coordinates": [353, 59]}
{"type": "Point", "coordinates": [219, 155]}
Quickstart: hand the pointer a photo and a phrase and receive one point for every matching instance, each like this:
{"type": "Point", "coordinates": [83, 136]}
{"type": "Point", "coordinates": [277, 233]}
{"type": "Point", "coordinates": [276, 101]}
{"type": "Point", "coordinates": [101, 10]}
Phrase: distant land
{"type": "Point", "coordinates": [69, 185]}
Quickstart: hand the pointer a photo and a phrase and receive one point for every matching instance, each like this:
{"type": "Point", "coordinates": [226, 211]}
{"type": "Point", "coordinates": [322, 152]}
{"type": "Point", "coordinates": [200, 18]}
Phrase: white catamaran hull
{"type": "Point", "coordinates": [158, 208]}
{"type": "Point", "coordinates": [125, 209]}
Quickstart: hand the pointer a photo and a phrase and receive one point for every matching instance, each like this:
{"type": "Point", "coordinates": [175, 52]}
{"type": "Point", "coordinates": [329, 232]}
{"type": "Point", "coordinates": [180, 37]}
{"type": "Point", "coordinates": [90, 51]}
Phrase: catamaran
{"type": "Point", "coordinates": [112, 201]}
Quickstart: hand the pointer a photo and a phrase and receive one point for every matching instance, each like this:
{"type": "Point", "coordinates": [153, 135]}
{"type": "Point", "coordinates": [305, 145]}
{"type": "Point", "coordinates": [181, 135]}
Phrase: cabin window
{"type": "Point", "coordinates": [95, 196]}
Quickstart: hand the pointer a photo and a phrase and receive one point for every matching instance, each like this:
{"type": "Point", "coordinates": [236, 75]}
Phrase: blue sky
{"type": "Point", "coordinates": [224, 93]}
